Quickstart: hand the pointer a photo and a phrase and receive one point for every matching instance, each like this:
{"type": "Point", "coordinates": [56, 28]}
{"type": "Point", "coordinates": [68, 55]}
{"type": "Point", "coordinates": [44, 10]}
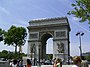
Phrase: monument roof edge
{"type": "Point", "coordinates": [47, 19]}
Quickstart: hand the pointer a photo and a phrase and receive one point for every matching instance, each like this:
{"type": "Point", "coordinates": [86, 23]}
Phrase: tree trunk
{"type": "Point", "coordinates": [15, 48]}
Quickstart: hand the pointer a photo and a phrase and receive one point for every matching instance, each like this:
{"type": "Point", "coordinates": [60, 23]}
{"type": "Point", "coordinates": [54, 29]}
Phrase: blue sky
{"type": "Point", "coordinates": [20, 12]}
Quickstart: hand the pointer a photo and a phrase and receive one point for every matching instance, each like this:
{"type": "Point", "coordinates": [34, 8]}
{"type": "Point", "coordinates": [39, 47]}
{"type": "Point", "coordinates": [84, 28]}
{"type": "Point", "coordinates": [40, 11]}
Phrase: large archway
{"type": "Point", "coordinates": [43, 29]}
{"type": "Point", "coordinates": [44, 39]}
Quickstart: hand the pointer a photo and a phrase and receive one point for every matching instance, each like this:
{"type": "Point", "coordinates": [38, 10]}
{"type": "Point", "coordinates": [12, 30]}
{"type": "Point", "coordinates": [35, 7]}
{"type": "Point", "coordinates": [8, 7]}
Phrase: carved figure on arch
{"type": "Point", "coordinates": [60, 47]}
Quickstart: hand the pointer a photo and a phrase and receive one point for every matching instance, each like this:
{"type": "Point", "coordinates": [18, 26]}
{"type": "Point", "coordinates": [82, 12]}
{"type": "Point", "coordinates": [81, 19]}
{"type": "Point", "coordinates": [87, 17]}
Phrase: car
{"type": "Point", "coordinates": [88, 62]}
{"type": "Point", "coordinates": [48, 62]}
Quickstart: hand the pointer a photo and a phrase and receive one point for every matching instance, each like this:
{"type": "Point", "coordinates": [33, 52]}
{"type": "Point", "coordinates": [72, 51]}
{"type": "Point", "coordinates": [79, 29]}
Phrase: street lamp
{"type": "Point", "coordinates": [80, 34]}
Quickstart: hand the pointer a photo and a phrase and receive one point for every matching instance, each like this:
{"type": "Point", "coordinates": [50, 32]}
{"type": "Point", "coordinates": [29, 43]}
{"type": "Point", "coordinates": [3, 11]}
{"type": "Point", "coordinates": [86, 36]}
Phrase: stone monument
{"type": "Point", "coordinates": [40, 30]}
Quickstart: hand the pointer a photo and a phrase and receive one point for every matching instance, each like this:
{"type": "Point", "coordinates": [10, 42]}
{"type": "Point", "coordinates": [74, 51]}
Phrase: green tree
{"type": "Point", "coordinates": [4, 54]}
{"type": "Point", "coordinates": [81, 10]}
{"type": "Point", "coordinates": [15, 36]}
{"type": "Point", "coordinates": [1, 34]}
{"type": "Point", "coordinates": [50, 56]}
{"type": "Point", "coordinates": [87, 57]}
{"type": "Point", "coordinates": [10, 55]}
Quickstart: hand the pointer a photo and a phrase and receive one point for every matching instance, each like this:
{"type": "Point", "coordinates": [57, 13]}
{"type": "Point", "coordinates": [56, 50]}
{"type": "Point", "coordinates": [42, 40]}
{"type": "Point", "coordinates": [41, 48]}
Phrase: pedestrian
{"type": "Point", "coordinates": [54, 62]}
{"type": "Point", "coordinates": [84, 62]}
{"type": "Point", "coordinates": [11, 62]}
{"type": "Point", "coordinates": [59, 62]}
{"type": "Point", "coordinates": [28, 63]}
{"type": "Point", "coordinates": [76, 61]}
{"type": "Point", "coordinates": [21, 63]}
{"type": "Point", "coordinates": [14, 64]}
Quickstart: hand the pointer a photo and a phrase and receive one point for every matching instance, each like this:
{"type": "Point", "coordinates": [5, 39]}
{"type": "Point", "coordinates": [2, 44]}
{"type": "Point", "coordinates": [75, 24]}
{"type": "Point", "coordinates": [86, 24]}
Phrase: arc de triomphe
{"type": "Point", "coordinates": [40, 30]}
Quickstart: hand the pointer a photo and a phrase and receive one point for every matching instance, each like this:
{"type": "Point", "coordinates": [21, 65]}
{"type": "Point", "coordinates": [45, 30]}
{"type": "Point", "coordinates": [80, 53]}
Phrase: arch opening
{"type": "Point", "coordinates": [49, 46]}
{"type": "Point", "coordinates": [44, 45]}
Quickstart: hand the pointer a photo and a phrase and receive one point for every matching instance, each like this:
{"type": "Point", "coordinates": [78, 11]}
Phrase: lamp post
{"type": "Point", "coordinates": [80, 34]}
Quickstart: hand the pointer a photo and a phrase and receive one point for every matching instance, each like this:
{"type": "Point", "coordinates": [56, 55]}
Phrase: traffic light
{"type": "Point", "coordinates": [1, 38]}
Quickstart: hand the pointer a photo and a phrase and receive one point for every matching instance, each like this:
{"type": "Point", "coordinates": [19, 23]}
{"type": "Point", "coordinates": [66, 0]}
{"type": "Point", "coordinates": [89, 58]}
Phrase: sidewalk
{"type": "Point", "coordinates": [52, 66]}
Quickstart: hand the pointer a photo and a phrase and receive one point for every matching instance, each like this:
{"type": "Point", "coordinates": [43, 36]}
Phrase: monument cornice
{"type": "Point", "coordinates": [48, 19]}
{"type": "Point", "coordinates": [48, 22]}
{"type": "Point", "coordinates": [47, 26]}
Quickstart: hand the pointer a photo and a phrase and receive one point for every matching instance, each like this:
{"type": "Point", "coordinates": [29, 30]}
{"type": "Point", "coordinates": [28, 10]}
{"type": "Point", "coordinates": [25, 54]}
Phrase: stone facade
{"type": "Point", "coordinates": [40, 30]}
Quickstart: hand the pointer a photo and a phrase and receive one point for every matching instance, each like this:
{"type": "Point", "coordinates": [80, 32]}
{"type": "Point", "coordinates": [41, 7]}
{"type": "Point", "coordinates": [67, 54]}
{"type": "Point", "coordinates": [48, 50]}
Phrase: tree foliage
{"type": "Point", "coordinates": [49, 56]}
{"type": "Point", "coordinates": [15, 36]}
{"type": "Point", "coordinates": [81, 10]}
{"type": "Point", "coordinates": [1, 34]}
{"type": "Point", "coordinates": [87, 57]}
{"type": "Point", "coordinates": [10, 55]}
{"type": "Point", "coordinates": [1, 31]}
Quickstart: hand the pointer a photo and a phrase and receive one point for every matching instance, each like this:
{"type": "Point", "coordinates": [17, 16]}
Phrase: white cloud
{"type": "Point", "coordinates": [4, 10]}
{"type": "Point", "coordinates": [75, 19]}
{"type": "Point", "coordinates": [5, 47]}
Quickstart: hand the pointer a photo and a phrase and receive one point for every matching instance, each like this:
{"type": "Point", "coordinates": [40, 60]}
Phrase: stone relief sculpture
{"type": "Point", "coordinates": [32, 51]}
{"type": "Point", "coordinates": [60, 47]}
{"type": "Point", "coordinates": [32, 48]}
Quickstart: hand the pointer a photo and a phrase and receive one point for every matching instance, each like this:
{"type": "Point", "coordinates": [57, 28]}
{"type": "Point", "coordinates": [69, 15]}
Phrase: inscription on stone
{"type": "Point", "coordinates": [61, 34]}
{"type": "Point", "coordinates": [33, 35]}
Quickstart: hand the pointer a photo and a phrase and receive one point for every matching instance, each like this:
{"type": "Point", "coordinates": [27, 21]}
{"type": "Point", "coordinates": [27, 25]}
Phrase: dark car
{"type": "Point", "coordinates": [48, 62]}
{"type": "Point", "coordinates": [88, 61]}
